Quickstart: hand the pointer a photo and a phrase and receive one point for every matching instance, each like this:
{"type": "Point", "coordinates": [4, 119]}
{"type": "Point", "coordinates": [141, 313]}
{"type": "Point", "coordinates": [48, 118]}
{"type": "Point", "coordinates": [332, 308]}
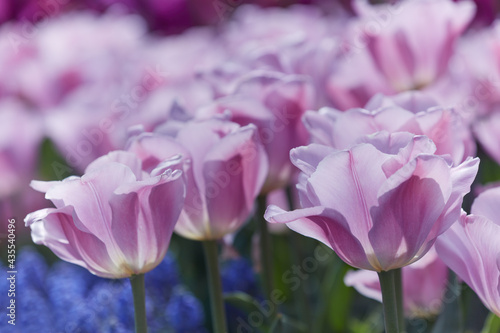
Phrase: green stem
{"type": "Point", "coordinates": [303, 304]}
{"type": "Point", "coordinates": [398, 289]}
{"type": "Point", "coordinates": [389, 301]}
{"type": "Point", "coordinates": [492, 324]}
{"type": "Point", "coordinates": [215, 286]}
{"type": "Point", "coordinates": [138, 291]}
{"type": "Point", "coordinates": [266, 254]}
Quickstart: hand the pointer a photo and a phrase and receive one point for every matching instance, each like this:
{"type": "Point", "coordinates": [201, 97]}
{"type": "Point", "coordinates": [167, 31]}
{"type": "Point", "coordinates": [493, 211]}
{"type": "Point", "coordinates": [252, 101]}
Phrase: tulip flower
{"type": "Point", "coordinates": [381, 204]}
{"type": "Point", "coordinates": [424, 284]}
{"type": "Point", "coordinates": [471, 249]}
{"type": "Point", "coordinates": [414, 112]}
{"type": "Point", "coordinates": [115, 220]}
{"type": "Point", "coordinates": [227, 169]}
{"type": "Point", "coordinates": [275, 104]}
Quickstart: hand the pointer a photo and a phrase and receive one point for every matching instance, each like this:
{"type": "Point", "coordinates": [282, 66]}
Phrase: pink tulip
{"type": "Point", "coordinates": [115, 220]}
{"type": "Point", "coordinates": [412, 52]}
{"type": "Point", "coordinates": [481, 52]}
{"type": "Point", "coordinates": [390, 48]}
{"type": "Point", "coordinates": [20, 137]}
{"type": "Point", "coordinates": [424, 284]}
{"type": "Point", "coordinates": [471, 248]}
{"type": "Point", "coordinates": [275, 103]}
{"type": "Point", "coordinates": [413, 112]}
{"type": "Point", "coordinates": [227, 168]}
{"type": "Point", "coordinates": [379, 205]}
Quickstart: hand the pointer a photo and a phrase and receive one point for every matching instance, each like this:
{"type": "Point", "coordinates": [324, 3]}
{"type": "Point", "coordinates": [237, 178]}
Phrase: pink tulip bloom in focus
{"type": "Point", "coordinates": [471, 248]}
{"type": "Point", "coordinates": [227, 167]}
{"type": "Point", "coordinates": [424, 284]}
{"type": "Point", "coordinates": [381, 204]}
{"type": "Point", "coordinates": [115, 220]}
{"type": "Point", "coordinates": [413, 112]}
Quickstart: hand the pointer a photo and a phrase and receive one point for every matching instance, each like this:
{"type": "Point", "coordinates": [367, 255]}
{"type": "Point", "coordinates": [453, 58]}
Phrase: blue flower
{"type": "Point", "coordinates": [67, 298]}
{"type": "Point", "coordinates": [32, 268]}
{"type": "Point", "coordinates": [164, 277]}
{"type": "Point", "coordinates": [238, 275]}
{"type": "Point", "coordinates": [184, 312]}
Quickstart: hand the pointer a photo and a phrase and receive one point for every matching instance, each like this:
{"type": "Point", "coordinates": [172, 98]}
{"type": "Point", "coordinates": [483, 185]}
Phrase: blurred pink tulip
{"type": "Point", "coordinates": [390, 49]}
{"type": "Point", "coordinates": [275, 104]}
{"type": "Point", "coordinates": [21, 134]}
{"type": "Point", "coordinates": [414, 112]}
{"type": "Point", "coordinates": [379, 205]}
{"type": "Point", "coordinates": [471, 248]}
{"type": "Point", "coordinates": [424, 285]}
{"type": "Point", "coordinates": [115, 220]}
{"type": "Point", "coordinates": [480, 52]}
{"type": "Point", "coordinates": [227, 166]}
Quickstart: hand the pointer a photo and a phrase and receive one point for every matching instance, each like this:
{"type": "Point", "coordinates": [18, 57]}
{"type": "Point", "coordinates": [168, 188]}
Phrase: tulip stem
{"type": "Point", "coordinates": [215, 286]}
{"type": "Point", "coordinates": [389, 299]}
{"type": "Point", "coordinates": [492, 324]}
{"type": "Point", "coordinates": [266, 254]}
{"type": "Point", "coordinates": [139, 293]}
{"type": "Point", "coordinates": [398, 289]}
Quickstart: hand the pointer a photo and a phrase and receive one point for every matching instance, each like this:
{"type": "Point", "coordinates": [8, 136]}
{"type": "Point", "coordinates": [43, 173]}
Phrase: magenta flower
{"type": "Point", "coordinates": [424, 285]}
{"type": "Point", "coordinates": [471, 249]}
{"type": "Point", "coordinates": [115, 220]}
{"type": "Point", "coordinates": [413, 112]}
{"type": "Point", "coordinates": [227, 168]}
{"type": "Point", "coordinates": [379, 205]}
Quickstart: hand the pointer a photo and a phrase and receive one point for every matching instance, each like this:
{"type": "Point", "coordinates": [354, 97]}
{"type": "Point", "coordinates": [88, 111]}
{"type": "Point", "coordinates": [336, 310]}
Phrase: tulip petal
{"type": "Point", "coordinates": [89, 196]}
{"type": "Point", "coordinates": [462, 177]}
{"type": "Point", "coordinates": [403, 219]}
{"type": "Point", "coordinates": [221, 188]}
{"type": "Point", "coordinates": [166, 201]}
{"type": "Point", "coordinates": [307, 158]}
{"type": "Point", "coordinates": [95, 253]}
{"type": "Point", "coordinates": [122, 157]}
{"type": "Point", "coordinates": [55, 229]}
{"type": "Point", "coordinates": [352, 189]}
{"type": "Point", "coordinates": [365, 282]}
{"type": "Point", "coordinates": [320, 125]}
{"type": "Point", "coordinates": [152, 148]}
{"type": "Point", "coordinates": [326, 225]}
{"type": "Point", "coordinates": [471, 249]}
{"type": "Point", "coordinates": [143, 217]}
{"type": "Point", "coordinates": [208, 134]}
{"type": "Point", "coordinates": [486, 204]}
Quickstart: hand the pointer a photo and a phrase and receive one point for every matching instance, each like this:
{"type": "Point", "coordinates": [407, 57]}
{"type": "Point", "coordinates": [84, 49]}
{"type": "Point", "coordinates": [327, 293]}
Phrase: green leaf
{"type": "Point", "coordinates": [251, 306]}
{"type": "Point", "coordinates": [52, 166]}
{"type": "Point", "coordinates": [242, 301]}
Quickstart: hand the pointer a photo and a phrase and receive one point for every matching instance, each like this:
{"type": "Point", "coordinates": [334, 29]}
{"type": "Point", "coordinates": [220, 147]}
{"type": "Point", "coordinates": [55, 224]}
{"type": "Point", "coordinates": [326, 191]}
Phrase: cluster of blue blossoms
{"type": "Point", "coordinates": [68, 299]}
